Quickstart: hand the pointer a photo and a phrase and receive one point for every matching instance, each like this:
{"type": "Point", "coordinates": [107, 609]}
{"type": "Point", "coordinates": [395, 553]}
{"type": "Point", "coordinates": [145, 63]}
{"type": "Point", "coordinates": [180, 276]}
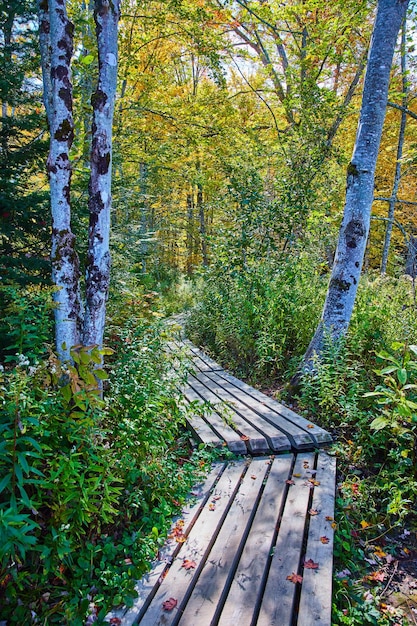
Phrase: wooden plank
{"type": "Point", "coordinates": [298, 438]}
{"type": "Point", "coordinates": [320, 435]}
{"type": "Point", "coordinates": [179, 582]}
{"type": "Point", "coordinates": [202, 431]}
{"type": "Point", "coordinates": [277, 440]}
{"type": "Point", "coordinates": [256, 442]}
{"type": "Point", "coordinates": [148, 583]}
{"type": "Point", "coordinates": [196, 360]}
{"type": "Point", "coordinates": [215, 367]}
{"type": "Point", "coordinates": [246, 587]}
{"type": "Point", "coordinates": [217, 573]}
{"type": "Point", "coordinates": [218, 425]}
{"type": "Point", "coordinates": [316, 591]}
{"type": "Point", "coordinates": [277, 604]}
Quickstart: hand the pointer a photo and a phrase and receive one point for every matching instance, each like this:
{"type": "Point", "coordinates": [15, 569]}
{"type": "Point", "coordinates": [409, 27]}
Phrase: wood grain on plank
{"type": "Point", "coordinates": [179, 581]}
{"type": "Point", "coordinates": [245, 591]}
{"type": "Point", "coordinates": [256, 442]}
{"type": "Point", "coordinates": [149, 582]}
{"type": "Point", "coordinates": [277, 440]}
{"type": "Point", "coordinates": [216, 422]}
{"type": "Point", "coordinates": [278, 598]}
{"type": "Point", "coordinates": [316, 591]}
{"type": "Point", "coordinates": [217, 573]}
{"type": "Point", "coordinates": [321, 436]}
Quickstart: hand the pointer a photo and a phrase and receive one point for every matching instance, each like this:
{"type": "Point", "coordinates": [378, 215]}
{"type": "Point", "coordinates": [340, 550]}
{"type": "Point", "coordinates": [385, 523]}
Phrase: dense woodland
{"type": "Point", "coordinates": [234, 125]}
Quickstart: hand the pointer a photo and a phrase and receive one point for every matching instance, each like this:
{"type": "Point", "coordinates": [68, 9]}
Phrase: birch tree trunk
{"type": "Point", "coordinates": [400, 145]}
{"type": "Point", "coordinates": [106, 15]}
{"type": "Point", "coordinates": [58, 101]}
{"type": "Point", "coordinates": [354, 230]}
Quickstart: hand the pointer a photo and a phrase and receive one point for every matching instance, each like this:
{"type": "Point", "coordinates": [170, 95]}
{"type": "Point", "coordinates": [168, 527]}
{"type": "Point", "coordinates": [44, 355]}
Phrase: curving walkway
{"type": "Point", "coordinates": [255, 546]}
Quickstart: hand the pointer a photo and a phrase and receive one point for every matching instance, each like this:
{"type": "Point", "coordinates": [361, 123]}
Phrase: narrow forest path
{"type": "Point", "coordinates": [255, 542]}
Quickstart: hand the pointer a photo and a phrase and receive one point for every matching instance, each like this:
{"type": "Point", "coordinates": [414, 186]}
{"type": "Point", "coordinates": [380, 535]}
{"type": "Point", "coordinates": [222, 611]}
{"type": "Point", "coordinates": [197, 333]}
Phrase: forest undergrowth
{"type": "Point", "coordinates": [88, 486]}
{"type": "Point", "coordinates": [258, 323]}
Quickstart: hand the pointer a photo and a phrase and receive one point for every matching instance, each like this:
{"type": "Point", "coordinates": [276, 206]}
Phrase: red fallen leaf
{"type": "Point", "coordinates": [290, 482]}
{"type": "Point", "coordinates": [244, 438]}
{"type": "Point", "coordinates": [324, 539]}
{"type": "Point", "coordinates": [186, 564]}
{"type": "Point", "coordinates": [313, 512]}
{"type": "Point", "coordinates": [170, 604]}
{"type": "Point", "coordinates": [310, 564]}
{"type": "Point", "coordinates": [310, 425]}
{"type": "Point", "coordinates": [253, 477]}
{"type": "Point", "coordinates": [295, 578]}
{"type": "Point", "coordinates": [116, 620]}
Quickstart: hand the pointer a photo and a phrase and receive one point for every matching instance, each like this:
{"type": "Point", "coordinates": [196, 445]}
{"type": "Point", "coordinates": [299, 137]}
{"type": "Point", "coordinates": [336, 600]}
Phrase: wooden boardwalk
{"type": "Point", "coordinates": [255, 544]}
{"type": "Point", "coordinates": [230, 412]}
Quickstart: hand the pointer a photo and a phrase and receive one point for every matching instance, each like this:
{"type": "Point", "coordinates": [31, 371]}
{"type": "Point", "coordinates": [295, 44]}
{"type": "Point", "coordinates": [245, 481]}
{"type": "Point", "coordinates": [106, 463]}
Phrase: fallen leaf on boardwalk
{"type": "Point", "coordinates": [212, 506]}
{"type": "Point", "coordinates": [306, 465]}
{"type": "Point", "coordinates": [329, 518]}
{"type": "Point", "coordinates": [333, 525]}
{"type": "Point", "coordinates": [170, 604]}
{"type": "Point", "coordinates": [216, 498]}
{"type": "Point", "coordinates": [290, 482]}
{"type": "Point", "coordinates": [310, 425]}
{"type": "Point", "coordinates": [310, 564]}
{"type": "Point", "coordinates": [186, 564]}
{"type": "Point", "coordinates": [253, 477]}
{"type": "Point", "coordinates": [314, 482]}
{"type": "Point", "coordinates": [297, 475]}
{"type": "Point", "coordinates": [324, 539]}
{"type": "Point", "coordinates": [380, 553]}
{"type": "Point", "coordinates": [244, 437]}
{"type": "Point", "coordinates": [313, 512]}
{"type": "Point", "coordinates": [116, 621]}
{"type": "Point", "coordinates": [295, 578]}
{"type": "Point", "coordinates": [377, 576]}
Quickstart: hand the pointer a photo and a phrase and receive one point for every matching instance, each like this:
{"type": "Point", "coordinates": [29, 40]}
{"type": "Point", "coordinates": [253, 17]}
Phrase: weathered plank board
{"type": "Point", "coordinates": [298, 437]}
{"type": "Point", "coordinates": [320, 435]}
{"type": "Point", "coordinates": [246, 587]}
{"type": "Point", "coordinates": [316, 598]}
{"type": "Point", "coordinates": [255, 440]}
{"type": "Point", "coordinates": [277, 440]}
{"type": "Point", "coordinates": [277, 605]}
{"type": "Point", "coordinates": [218, 425]}
{"type": "Point", "coordinates": [179, 581]}
{"type": "Point", "coordinates": [146, 586]}
{"type": "Point", "coordinates": [203, 432]}
{"type": "Point", "coordinates": [218, 569]}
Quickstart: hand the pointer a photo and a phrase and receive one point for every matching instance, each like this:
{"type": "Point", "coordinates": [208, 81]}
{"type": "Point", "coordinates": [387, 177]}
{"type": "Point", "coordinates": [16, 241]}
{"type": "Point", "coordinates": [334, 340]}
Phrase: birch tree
{"type": "Point", "coordinates": [354, 229]}
{"type": "Point", "coordinates": [75, 324]}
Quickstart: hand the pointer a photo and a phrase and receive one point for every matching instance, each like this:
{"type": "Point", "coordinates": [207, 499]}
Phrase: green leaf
{"type": "Point", "coordinates": [402, 376]}
{"type": "Point", "coordinates": [66, 392]}
{"type": "Point", "coordinates": [379, 423]}
{"type": "Point", "coordinates": [5, 481]}
{"type": "Point", "coordinates": [87, 59]}
{"type": "Point", "coordinates": [101, 374]}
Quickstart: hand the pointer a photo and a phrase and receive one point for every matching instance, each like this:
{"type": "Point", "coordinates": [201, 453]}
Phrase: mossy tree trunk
{"type": "Point", "coordinates": [354, 230]}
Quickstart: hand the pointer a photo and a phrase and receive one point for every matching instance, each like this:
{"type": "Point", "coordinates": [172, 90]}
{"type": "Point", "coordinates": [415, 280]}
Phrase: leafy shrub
{"type": "Point", "coordinates": [87, 486]}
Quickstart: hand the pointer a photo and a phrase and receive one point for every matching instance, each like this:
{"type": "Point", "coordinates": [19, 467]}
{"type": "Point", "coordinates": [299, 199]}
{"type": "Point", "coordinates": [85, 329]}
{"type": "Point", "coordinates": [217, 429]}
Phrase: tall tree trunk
{"type": "Point", "coordinates": [106, 16]}
{"type": "Point", "coordinates": [144, 210]}
{"type": "Point", "coordinates": [203, 226]}
{"type": "Point", "coordinates": [65, 265]}
{"type": "Point", "coordinates": [401, 135]}
{"type": "Point", "coordinates": [190, 234]}
{"type": "Point", "coordinates": [360, 182]}
{"type": "Point", "coordinates": [411, 263]}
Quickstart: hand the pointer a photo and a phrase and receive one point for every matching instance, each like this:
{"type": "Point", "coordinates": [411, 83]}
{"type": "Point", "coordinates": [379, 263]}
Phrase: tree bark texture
{"type": "Point", "coordinates": [65, 264]}
{"type": "Point", "coordinates": [400, 145]}
{"type": "Point", "coordinates": [106, 15]}
{"type": "Point", "coordinates": [354, 230]}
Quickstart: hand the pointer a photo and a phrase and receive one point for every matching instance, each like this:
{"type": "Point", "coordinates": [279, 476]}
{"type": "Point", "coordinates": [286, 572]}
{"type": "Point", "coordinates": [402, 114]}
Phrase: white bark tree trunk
{"type": "Point", "coordinates": [400, 145]}
{"type": "Point", "coordinates": [354, 230]}
{"type": "Point", "coordinates": [106, 15]}
{"type": "Point", "coordinates": [65, 264]}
